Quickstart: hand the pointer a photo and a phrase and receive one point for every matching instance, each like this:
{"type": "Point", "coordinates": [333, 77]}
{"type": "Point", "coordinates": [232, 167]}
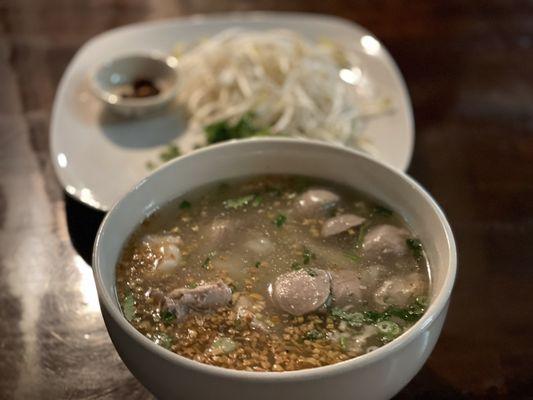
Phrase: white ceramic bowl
{"type": "Point", "coordinates": [377, 375]}
{"type": "Point", "coordinates": [107, 79]}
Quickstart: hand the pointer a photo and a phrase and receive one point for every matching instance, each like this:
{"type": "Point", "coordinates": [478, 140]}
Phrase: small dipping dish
{"type": "Point", "coordinates": [136, 85]}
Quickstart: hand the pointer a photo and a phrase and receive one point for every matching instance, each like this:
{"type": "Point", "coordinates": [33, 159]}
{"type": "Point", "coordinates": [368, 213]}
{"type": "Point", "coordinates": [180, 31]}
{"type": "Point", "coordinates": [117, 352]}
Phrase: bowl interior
{"type": "Point", "coordinates": [280, 156]}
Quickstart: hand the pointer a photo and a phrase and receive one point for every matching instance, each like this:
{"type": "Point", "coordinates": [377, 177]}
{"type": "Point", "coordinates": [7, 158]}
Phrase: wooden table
{"type": "Point", "coordinates": [469, 69]}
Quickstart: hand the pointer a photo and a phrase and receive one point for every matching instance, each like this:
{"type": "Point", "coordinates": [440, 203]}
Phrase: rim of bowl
{"type": "Point", "coordinates": [104, 95]}
{"type": "Point", "coordinates": [435, 308]}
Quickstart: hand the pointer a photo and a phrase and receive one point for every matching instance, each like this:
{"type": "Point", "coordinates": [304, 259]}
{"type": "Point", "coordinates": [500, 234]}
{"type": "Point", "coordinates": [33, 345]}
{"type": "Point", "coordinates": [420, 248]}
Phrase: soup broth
{"type": "Point", "coordinates": [273, 273]}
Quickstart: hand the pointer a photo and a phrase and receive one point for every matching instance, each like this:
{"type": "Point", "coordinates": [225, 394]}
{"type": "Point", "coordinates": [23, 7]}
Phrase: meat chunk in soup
{"type": "Point", "coordinates": [250, 309]}
{"type": "Point", "coordinates": [166, 250]}
{"type": "Point", "coordinates": [345, 287]}
{"type": "Point", "coordinates": [356, 343]}
{"type": "Point", "coordinates": [340, 223]}
{"type": "Point", "coordinates": [371, 275]}
{"type": "Point", "coordinates": [259, 245]}
{"type": "Point", "coordinates": [201, 298]}
{"type": "Point", "coordinates": [386, 239]}
{"type": "Point", "coordinates": [301, 292]}
{"type": "Point", "coordinates": [219, 230]}
{"type": "Point", "coordinates": [315, 200]}
{"type": "Point", "coordinates": [244, 307]}
{"type": "Point", "coordinates": [400, 292]}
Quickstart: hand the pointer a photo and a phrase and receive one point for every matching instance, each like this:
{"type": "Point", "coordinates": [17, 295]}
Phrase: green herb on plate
{"type": "Point", "coordinates": [224, 130]}
{"type": "Point", "coordinates": [172, 151]}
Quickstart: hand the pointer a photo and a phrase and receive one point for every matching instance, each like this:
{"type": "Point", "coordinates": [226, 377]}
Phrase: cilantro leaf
{"type": "Point", "coordinates": [280, 220]}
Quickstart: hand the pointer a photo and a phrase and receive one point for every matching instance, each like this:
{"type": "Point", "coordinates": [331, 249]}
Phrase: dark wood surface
{"type": "Point", "coordinates": [469, 70]}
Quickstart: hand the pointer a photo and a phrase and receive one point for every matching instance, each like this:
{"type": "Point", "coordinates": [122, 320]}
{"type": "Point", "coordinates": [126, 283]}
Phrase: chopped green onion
{"type": "Point", "coordinates": [280, 220]}
{"type": "Point", "coordinates": [308, 255]}
{"type": "Point", "coordinates": [163, 340]}
{"type": "Point", "coordinates": [416, 248]}
{"type": "Point", "coordinates": [353, 319]}
{"type": "Point", "coordinates": [422, 301]}
{"type": "Point", "coordinates": [172, 151]}
{"type": "Point", "coordinates": [257, 264]}
{"type": "Point", "coordinates": [389, 328]}
{"type": "Point", "coordinates": [410, 314]}
{"type": "Point", "coordinates": [358, 247]}
{"type": "Point", "coordinates": [184, 205]}
{"type": "Point", "coordinates": [384, 212]}
{"type": "Point", "coordinates": [239, 202]}
{"type": "Point", "coordinates": [168, 317]}
{"type": "Point", "coordinates": [296, 266]}
{"type": "Point", "coordinates": [257, 201]}
{"type": "Point", "coordinates": [353, 257]}
{"type": "Point", "coordinates": [223, 345]}
{"type": "Point", "coordinates": [313, 334]}
{"type": "Point", "coordinates": [207, 262]}
{"type": "Point", "coordinates": [363, 228]}
{"type": "Point", "coordinates": [128, 306]}
{"type": "Point", "coordinates": [342, 343]}
{"type": "Point", "coordinates": [223, 130]}
{"type": "Point", "coordinates": [217, 132]}
{"type": "Point", "coordinates": [374, 316]}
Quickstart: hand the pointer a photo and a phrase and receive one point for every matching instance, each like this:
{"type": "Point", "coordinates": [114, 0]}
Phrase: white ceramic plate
{"type": "Point", "coordinates": [98, 157]}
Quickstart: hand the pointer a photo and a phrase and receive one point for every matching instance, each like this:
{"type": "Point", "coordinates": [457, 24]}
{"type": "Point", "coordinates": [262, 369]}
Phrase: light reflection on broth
{"type": "Point", "coordinates": [273, 273]}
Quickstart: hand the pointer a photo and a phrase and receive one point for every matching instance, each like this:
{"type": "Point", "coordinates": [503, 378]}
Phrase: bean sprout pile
{"type": "Point", "coordinates": [290, 85]}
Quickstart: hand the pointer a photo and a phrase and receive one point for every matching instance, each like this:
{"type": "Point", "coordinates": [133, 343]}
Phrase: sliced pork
{"type": "Point", "coordinates": [340, 223]}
